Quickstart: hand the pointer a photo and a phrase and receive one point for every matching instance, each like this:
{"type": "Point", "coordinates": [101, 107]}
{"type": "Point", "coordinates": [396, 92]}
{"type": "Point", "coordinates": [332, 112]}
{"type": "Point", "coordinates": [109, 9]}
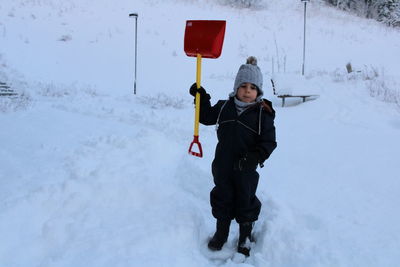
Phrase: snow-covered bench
{"type": "Point", "coordinates": [283, 85]}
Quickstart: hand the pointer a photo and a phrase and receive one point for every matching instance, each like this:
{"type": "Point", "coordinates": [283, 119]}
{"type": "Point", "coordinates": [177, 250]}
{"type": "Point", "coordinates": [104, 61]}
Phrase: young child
{"type": "Point", "coordinates": [246, 138]}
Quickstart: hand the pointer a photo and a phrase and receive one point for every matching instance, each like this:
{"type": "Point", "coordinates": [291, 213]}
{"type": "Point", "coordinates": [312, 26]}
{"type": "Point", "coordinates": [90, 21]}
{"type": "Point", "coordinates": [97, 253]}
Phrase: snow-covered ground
{"type": "Point", "coordinates": [92, 175]}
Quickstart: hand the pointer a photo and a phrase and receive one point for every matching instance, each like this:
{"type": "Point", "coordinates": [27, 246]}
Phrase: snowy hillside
{"type": "Point", "coordinates": [92, 175]}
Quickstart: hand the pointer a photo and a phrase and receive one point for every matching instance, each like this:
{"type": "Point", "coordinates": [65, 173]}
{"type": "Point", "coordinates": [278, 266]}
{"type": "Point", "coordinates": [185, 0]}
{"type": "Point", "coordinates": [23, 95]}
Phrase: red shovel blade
{"type": "Point", "coordinates": [204, 37]}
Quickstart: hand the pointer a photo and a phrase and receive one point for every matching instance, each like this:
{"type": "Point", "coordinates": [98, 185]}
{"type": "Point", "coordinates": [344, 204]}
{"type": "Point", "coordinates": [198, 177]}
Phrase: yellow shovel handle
{"type": "Point", "coordinates": [197, 111]}
{"type": "Point", "coordinates": [197, 114]}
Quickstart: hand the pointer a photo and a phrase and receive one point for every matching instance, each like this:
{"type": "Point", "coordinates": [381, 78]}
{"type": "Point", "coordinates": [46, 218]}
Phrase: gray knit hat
{"type": "Point", "coordinates": [249, 73]}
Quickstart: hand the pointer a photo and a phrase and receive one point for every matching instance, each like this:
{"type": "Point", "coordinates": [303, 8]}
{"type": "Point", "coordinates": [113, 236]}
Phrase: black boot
{"type": "Point", "coordinates": [245, 238]}
{"type": "Point", "coordinates": [220, 236]}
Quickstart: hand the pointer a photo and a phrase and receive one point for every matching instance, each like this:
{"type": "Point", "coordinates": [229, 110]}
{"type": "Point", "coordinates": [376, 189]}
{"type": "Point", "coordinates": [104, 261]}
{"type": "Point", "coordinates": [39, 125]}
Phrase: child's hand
{"type": "Point", "coordinates": [248, 162]}
{"type": "Point", "coordinates": [193, 90]}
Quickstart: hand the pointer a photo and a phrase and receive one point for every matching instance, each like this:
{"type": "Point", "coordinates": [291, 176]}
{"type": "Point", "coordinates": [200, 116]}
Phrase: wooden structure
{"type": "Point", "coordinates": [6, 90]}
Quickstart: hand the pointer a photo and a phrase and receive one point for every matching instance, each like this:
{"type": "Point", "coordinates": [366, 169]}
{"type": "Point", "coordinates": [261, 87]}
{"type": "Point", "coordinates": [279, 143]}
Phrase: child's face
{"type": "Point", "coordinates": [247, 92]}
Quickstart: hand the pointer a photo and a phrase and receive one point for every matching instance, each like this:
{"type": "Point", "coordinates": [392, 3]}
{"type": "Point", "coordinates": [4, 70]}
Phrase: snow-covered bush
{"type": "Point", "coordinates": [370, 73]}
{"type": "Point", "coordinates": [52, 90]}
{"type": "Point", "coordinates": [379, 85]}
{"type": "Point", "coordinates": [279, 59]}
{"type": "Point", "coordinates": [161, 101]}
{"type": "Point", "coordinates": [19, 102]}
{"type": "Point", "coordinates": [389, 12]}
{"type": "Point", "coordinates": [61, 90]}
{"type": "Point", "coordinates": [384, 89]}
{"type": "Point", "coordinates": [386, 11]}
{"type": "Point", "coordinates": [13, 93]}
{"type": "Point", "coordinates": [243, 3]}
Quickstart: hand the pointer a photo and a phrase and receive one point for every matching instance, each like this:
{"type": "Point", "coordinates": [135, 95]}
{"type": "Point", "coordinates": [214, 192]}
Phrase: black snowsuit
{"type": "Point", "coordinates": [234, 194]}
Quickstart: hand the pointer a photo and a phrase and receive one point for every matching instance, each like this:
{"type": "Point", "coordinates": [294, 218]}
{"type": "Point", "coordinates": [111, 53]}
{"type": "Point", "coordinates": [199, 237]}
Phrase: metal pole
{"type": "Point", "coordinates": [304, 38]}
{"type": "Point", "coordinates": [136, 18]}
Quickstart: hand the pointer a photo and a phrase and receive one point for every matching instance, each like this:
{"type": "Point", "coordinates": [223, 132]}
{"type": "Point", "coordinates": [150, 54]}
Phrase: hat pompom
{"type": "Point", "coordinates": [251, 60]}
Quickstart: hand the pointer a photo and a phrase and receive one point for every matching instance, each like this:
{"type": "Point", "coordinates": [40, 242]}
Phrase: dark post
{"type": "Point", "coordinates": [135, 15]}
{"type": "Point", "coordinates": [304, 36]}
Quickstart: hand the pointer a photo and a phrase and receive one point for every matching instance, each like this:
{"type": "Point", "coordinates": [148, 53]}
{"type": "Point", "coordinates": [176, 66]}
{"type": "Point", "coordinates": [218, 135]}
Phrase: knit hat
{"type": "Point", "coordinates": [249, 73]}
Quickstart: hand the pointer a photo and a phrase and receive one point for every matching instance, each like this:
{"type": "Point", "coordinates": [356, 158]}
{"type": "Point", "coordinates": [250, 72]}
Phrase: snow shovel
{"type": "Point", "coordinates": [203, 38]}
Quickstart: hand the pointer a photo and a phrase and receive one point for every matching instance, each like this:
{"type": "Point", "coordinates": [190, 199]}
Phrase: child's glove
{"type": "Point", "coordinates": [248, 162]}
{"type": "Point", "coordinates": [193, 90]}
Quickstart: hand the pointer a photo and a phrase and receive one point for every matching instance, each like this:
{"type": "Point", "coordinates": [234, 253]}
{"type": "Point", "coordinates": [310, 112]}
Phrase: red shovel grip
{"type": "Point", "coordinates": [196, 141]}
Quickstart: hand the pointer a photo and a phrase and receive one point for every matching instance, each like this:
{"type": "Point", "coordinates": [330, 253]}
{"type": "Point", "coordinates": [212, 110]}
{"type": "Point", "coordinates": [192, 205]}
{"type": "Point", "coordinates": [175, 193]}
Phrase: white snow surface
{"type": "Point", "coordinates": [92, 175]}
